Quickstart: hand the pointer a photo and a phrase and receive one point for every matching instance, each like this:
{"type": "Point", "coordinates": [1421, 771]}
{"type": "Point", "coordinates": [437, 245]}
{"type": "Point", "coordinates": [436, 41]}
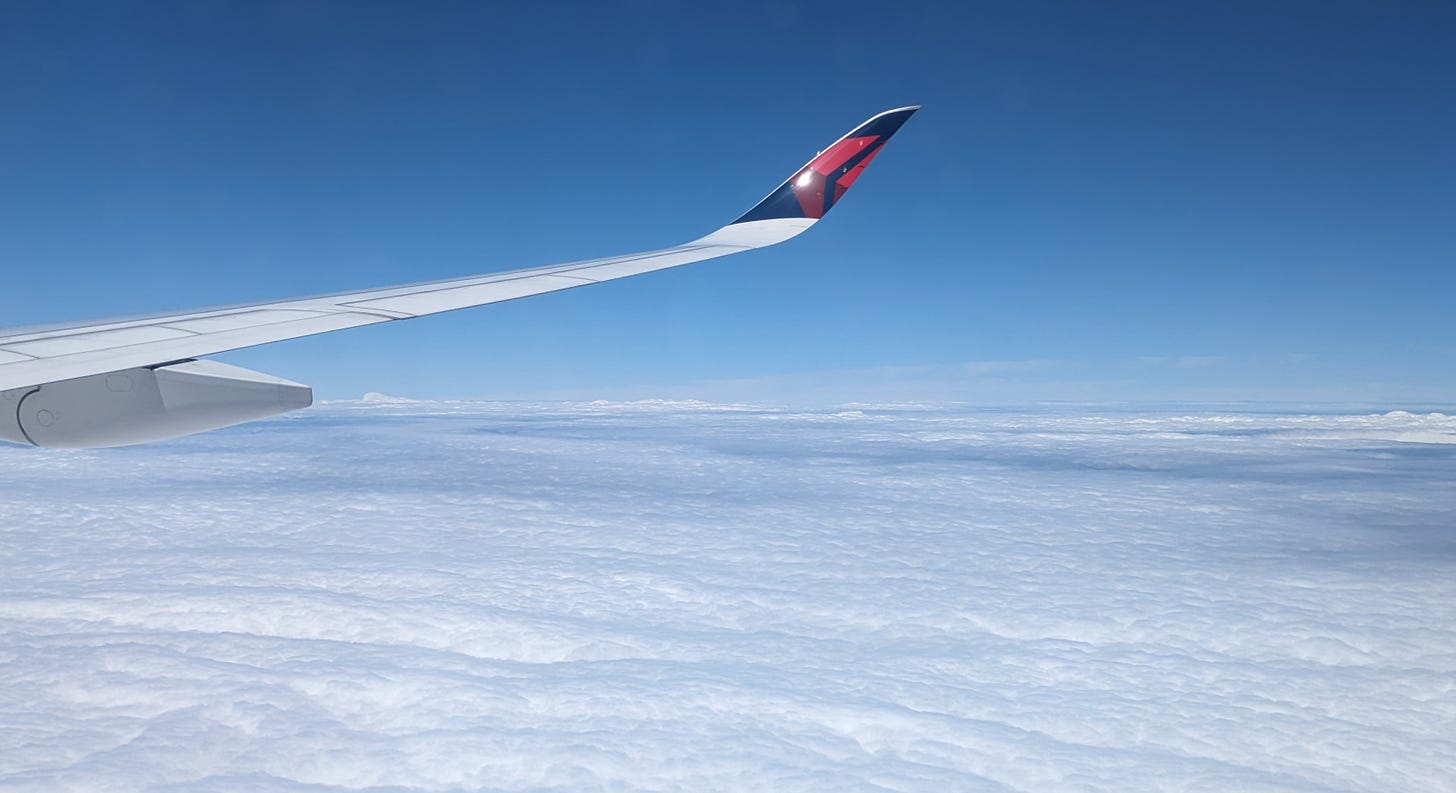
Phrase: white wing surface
{"type": "Point", "coordinates": [111, 382]}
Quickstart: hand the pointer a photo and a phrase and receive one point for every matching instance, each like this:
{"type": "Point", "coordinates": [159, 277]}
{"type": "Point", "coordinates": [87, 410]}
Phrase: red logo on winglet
{"type": "Point", "coordinates": [831, 165]}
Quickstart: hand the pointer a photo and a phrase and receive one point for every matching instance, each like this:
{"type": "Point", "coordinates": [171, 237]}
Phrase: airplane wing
{"type": "Point", "coordinates": [131, 380]}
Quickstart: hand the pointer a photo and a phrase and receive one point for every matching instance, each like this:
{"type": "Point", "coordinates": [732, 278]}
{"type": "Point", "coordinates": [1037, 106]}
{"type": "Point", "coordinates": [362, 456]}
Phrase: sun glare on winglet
{"type": "Point", "coordinates": [825, 179]}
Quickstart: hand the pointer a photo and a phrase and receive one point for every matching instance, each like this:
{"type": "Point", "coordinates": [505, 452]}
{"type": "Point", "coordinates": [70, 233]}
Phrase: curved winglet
{"type": "Point", "coordinates": [31, 358]}
{"type": "Point", "coordinates": [817, 186]}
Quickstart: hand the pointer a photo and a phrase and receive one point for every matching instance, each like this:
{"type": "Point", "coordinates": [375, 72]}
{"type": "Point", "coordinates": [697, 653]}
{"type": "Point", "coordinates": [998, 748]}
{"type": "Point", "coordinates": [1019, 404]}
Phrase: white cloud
{"type": "Point", "coordinates": [677, 595]}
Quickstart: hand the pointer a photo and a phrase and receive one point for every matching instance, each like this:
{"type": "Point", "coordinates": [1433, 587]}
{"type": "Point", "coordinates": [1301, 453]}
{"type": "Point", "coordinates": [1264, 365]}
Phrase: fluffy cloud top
{"type": "Point", "coordinates": [678, 596]}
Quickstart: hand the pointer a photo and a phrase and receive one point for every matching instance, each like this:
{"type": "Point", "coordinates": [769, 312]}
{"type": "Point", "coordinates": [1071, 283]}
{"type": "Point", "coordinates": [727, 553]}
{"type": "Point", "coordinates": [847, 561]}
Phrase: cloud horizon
{"type": "Point", "coordinates": [402, 595]}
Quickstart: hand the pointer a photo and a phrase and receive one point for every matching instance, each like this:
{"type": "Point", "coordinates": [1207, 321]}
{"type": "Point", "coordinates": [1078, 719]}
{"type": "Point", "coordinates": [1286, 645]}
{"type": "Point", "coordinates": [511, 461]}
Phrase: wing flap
{"type": "Point", "coordinates": [36, 371]}
{"type": "Point", "coordinates": [59, 346]}
{"type": "Point", "coordinates": [240, 320]}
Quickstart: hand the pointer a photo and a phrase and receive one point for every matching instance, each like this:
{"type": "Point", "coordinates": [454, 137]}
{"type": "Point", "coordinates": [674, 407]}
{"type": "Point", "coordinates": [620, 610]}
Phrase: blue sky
{"type": "Point", "coordinates": [1119, 201]}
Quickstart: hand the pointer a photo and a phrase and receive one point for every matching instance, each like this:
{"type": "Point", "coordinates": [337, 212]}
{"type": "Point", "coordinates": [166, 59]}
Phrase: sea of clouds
{"type": "Point", "coordinates": [390, 595]}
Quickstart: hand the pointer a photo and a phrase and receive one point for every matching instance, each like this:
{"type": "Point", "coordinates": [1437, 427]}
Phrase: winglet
{"type": "Point", "coordinates": [816, 187]}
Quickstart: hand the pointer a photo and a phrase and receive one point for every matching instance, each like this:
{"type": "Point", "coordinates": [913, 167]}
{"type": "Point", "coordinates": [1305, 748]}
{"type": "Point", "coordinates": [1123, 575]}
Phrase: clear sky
{"type": "Point", "coordinates": [1098, 201]}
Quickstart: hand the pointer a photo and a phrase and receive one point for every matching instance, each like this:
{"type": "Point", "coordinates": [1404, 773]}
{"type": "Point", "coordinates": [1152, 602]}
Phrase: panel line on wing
{"type": "Point", "coordinates": [101, 340]}
{"type": "Point", "coordinates": [561, 271]}
{"type": "Point", "coordinates": [239, 319]}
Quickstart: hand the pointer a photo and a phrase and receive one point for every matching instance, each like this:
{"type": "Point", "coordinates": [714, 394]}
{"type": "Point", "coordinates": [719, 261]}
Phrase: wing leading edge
{"type": "Point", "coordinates": [32, 359]}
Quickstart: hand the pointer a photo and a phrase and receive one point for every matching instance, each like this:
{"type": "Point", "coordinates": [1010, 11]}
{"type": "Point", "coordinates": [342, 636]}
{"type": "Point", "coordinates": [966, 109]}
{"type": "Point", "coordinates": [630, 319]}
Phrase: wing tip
{"type": "Point", "coordinates": [819, 184]}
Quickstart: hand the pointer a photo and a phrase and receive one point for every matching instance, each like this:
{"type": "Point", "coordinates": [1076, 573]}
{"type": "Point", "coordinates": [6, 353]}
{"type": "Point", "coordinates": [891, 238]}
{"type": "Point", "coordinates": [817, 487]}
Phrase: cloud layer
{"type": "Point", "coordinates": [679, 596]}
